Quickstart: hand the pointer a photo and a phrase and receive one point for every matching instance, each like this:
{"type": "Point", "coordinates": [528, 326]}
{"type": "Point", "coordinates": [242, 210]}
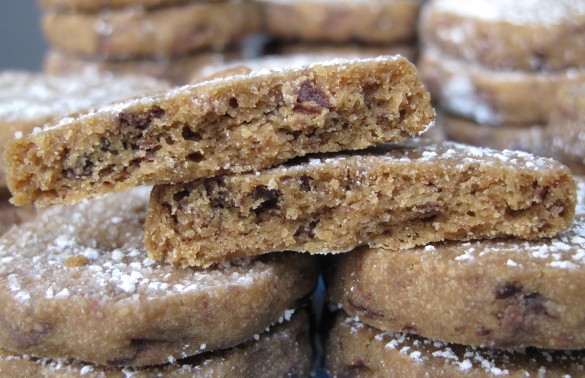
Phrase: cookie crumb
{"type": "Point", "coordinates": [76, 261]}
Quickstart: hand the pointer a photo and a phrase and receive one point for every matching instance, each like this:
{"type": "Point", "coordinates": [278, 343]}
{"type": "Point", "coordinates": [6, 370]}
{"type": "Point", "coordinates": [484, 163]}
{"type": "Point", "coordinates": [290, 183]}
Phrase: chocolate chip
{"type": "Point", "coordinates": [191, 135]}
{"type": "Point", "coordinates": [269, 198]}
{"type": "Point", "coordinates": [534, 303]}
{"type": "Point", "coordinates": [539, 61]}
{"type": "Point", "coordinates": [83, 168]}
{"type": "Point", "coordinates": [507, 290]}
{"type": "Point", "coordinates": [306, 229]}
{"type": "Point", "coordinates": [234, 102]}
{"type": "Point", "coordinates": [311, 100]}
{"type": "Point", "coordinates": [195, 157]}
{"type": "Point", "coordinates": [305, 183]}
{"type": "Point", "coordinates": [179, 196]}
{"type": "Point", "coordinates": [217, 193]}
{"type": "Point", "coordinates": [140, 121]}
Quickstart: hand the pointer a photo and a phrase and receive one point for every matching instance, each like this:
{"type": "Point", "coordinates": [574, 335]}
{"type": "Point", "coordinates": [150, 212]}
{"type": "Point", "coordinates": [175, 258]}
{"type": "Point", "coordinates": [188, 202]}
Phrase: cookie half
{"type": "Point", "coordinates": [163, 32]}
{"type": "Point", "coordinates": [355, 349]}
{"type": "Point", "coordinates": [395, 197]}
{"type": "Point", "coordinates": [498, 293]}
{"type": "Point", "coordinates": [238, 124]}
{"type": "Point", "coordinates": [540, 35]}
{"type": "Point", "coordinates": [76, 283]}
{"type": "Point", "coordinates": [493, 97]}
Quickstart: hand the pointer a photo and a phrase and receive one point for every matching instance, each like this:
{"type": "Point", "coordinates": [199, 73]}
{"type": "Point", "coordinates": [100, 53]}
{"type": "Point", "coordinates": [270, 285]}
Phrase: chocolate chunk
{"type": "Point", "coordinates": [305, 183]}
{"type": "Point", "coordinates": [311, 100]}
{"type": "Point", "coordinates": [507, 290]}
{"type": "Point", "coordinates": [269, 198]}
{"type": "Point", "coordinates": [140, 120]}
{"type": "Point", "coordinates": [306, 229]}
{"type": "Point", "coordinates": [217, 193]}
{"type": "Point", "coordinates": [191, 135]}
{"type": "Point", "coordinates": [83, 168]}
{"type": "Point", "coordinates": [181, 195]}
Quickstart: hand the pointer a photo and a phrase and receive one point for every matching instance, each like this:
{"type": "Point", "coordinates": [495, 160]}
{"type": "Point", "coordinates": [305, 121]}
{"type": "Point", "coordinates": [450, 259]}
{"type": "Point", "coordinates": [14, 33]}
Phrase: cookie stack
{"type": "Point", "coordinates": [494, 67]}
{"type": "Point", "coordinates": [366, 28]}
{"type": "Point", "coordinates": [166, 39]}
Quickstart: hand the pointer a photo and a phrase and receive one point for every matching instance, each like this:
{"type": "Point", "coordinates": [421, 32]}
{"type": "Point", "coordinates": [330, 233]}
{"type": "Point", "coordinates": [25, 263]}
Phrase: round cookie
{"type": "Point", "coordinates": [492, 97]}
{"type": "Point", "coordinates": [28, 100]}
{"type": "Point", "coordinates": [535, 35]}
{"type": "Point", "coordinates": [382, 22]}
{"type": "Point", "coordinates": [499, 293]}
{"type": "Point", "coordinates": [98, 5]}
{"type": "Point", "coordinates": [282, 351]}
{"type": "Point", "coordinates": [501, 137]}
{"type": "Point", "coordinates": [170, 31]}
{"type": "Point", "coordinates": [176, 70]}
{"type": "Point", "coordinates": [76, 283]}
{"type": "Point", "coordinates": [355, 349]}
{"type": "Point", "coordinates": [566, 128]}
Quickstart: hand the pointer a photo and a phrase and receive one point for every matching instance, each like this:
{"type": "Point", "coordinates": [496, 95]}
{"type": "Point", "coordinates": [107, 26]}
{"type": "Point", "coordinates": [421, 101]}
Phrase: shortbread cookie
{"type": "Point", "coordinates": [169, 31]}
{"type": "Point", "coordinates": [98, 5]}
{"type": "Point", "coordinates": [244, 123]}
{"type": "Point", "coordinates": [177, 70]}
{"type": "Point", "coordinates": [355, 349]}
{"type": "Point", "coordinates": [382, 22]}
{"type": "Point", "coordinates": [501, 137]}
{"type": "Point", "coordinates": [28, 100]}
{"type": "Point", "coordinates": [566, 129]}
{"type": "Point", "coordinates": [499, 293]}
{"type": "Point", "coordinates": [76, 283]}
{"type": "Point", "coordinates": [538, 35]}
{"type": "Point", "coordinates": [393, 197]}
{"type": "Point", "coordinates": [409, 51]}
{"type": "Point", "coordinates": [283, 351]}
{"type": "Point", "coordinates": [492, 97]}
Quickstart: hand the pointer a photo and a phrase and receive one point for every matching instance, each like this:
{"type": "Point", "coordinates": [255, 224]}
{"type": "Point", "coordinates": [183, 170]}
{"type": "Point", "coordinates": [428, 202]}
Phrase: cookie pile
{"type": "Point", "coordinates": [494, 67]}
{"type": "Point", "coordinates": [166, 39]}
{"type": "Point", "coordinates": [367, 28]}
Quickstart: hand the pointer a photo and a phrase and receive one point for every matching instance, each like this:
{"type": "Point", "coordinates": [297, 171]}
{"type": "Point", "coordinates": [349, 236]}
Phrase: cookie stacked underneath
{"type": "Point", "coordinates": [494, 66]}
{"type": "Point", "coordinates": [167, 39]}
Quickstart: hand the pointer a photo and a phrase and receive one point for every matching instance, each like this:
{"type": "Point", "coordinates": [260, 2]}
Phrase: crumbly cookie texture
{"type": "Point", "coordinates": [395, 197]}
{"type": "Point", "coordinates": [163, 32]}
{"type": "Point", "coordinates": [534, 35]}
{"type": "Point", "coordinates": [28, 100]}
{"type": "Point", "coordinates": [566, 129]}
{"type": "Point", "coordinates": [238, 124]}
{"type": "Point", "coordinates": [381, 22]}
{"type": "Point", "coordinates": [492, 97]}
{"type": "Point", "coordinates": [498, 293]}
{"type": "Point", "coordinates": [282, 351]}
{"type": "Point", "coordinates": [529, 138]}
{"type": "Point", "coordinates": [76, 283]}
{"type": "Point", "coordinates": [355, 349]}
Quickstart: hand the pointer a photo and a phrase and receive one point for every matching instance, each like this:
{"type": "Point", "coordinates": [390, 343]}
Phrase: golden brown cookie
{"type": "Point", "coordinates": [28, 100]}
{"type": "Point", "coordinates": [498, 293]}
{"type": "Point", "coordinates": [394, 197]}
{"type": "Point", "coordinates": [163, 32]}
{"type": "Point", "coordinates": [356, 350]}
{"type": "Point", "coordinates": [539, 35]}
{"type": "Point", "coordinates": [282, 351]}
{"type": "Point", "coordinates": [500, 137]}
{"type": "Point", "coordinates": [492, 97]}
{"type": "Point", "coordinates": [76, 283]}
{"type": "Point", "coordinates": [238, 124]}
{"type": "Point", "coordinates": [177, 70]}
{"type": "Point", "coordinates": [381, 22]}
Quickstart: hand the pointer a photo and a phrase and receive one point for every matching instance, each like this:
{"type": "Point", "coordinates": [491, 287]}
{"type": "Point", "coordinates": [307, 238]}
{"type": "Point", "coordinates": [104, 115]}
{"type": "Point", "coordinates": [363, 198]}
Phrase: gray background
{"type": "Point", "coordinates": [21, 41]}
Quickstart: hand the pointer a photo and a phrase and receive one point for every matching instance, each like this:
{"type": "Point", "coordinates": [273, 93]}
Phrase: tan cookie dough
{"type": "Point", "coordinates": [409, 51]}
{"type": "Point", "coordinates": [238, 124]}
{"type": "Point", "coordinates": [283, 351]}
{"type": "Point", "coordinates": [500, 137]}
{"type": "Point", "coordinates": [76, 283]}
{"type": "Point", "coordinates": [357, 350]}
{"type": "Point", "coordinates": [392, 197]}
{"type": "Point", "coordinates": [492, 97]}
{"type": "Point", "coordinates": [169, 31]}
{"type": "Point", "coordinates": [176, 70]}
{"type": "Point", "coordinates": [28, 100]}
{"type": "Point", "coordinates": [382, 22]}
{"type": "Point", "coordinates": [98, 5]}
{"type": "Point", "coordinates": [538, 35]}
{"type": "Point", "coordinates": [498, 293]}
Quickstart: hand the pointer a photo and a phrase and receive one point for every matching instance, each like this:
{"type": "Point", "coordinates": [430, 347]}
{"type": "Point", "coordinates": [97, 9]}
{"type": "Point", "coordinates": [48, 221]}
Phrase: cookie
{"type": "Point", "coordinates": [358, 350]}
{"type": "Point", "coordinates": [11, 215]}
{"type": "Point", "coordinates": [498, 293]}
{"type": "Point", "coordinates": [374, 22]}
{"type": "Point", "coordinates": [566, 129]}
{"type": "Point", "coordinates": [226, 125]}
{"type": "Point", "coordinates": [76, 283]}
{"type": "Point", "coordinates": [501, 137]}
{"type": "Point", "coordinates": [162, 32]}
{"type": "Point", "coordinates": [96, 6]}
{"type": "Point", "coordinates": [283, 351]}
{"type": "Point", "coordinates": [540, 35]}
{"type": "Point", "coordinates": [409, 51]}
{"type": "Point", "coordinates": [28, 100]}
{"type": "Point", "coordinates": [395, 197]}
{"type": "Point", "coordinates": [492, 97]}
{"type": "Point", "coordinates": [176, 70]}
